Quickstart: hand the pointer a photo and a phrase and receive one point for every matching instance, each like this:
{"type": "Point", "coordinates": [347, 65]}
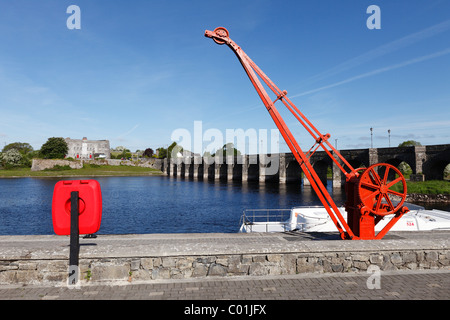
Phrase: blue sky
{"type": "Point", "coordinates": [138, 70]}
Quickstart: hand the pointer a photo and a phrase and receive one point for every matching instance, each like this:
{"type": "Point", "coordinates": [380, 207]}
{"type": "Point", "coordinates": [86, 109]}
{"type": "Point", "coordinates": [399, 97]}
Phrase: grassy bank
{"type": "Point", "coordinates": [87, 170]}
{"type": "Point", "coordinates": [429, 187]}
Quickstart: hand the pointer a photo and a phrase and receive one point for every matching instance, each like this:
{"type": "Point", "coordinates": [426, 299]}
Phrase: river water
{"type": "Point", "coordinates": [158, 204]}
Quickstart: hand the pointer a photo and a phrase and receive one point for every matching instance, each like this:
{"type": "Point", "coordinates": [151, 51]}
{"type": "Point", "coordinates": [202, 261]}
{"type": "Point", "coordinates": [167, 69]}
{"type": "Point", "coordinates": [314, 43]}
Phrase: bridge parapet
{"type": "Point", "coordinates": [429, 161]}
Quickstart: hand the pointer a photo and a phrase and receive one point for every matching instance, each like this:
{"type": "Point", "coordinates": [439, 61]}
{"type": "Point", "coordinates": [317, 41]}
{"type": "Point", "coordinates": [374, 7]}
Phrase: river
{"type": "Point", "coordinates": [157, 204]}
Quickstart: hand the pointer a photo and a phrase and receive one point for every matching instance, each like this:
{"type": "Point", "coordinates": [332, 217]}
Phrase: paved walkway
{"type": "Point", "coordinates": [395, 285]}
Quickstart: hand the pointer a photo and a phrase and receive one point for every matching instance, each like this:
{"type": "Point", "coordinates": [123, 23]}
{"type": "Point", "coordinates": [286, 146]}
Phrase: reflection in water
{"type": "Point", "coordinates": [153, 204]}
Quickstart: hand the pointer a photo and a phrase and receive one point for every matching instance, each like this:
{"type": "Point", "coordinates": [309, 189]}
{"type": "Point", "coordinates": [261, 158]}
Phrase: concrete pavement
{"type": "Point", "coordinates": [372, 285]}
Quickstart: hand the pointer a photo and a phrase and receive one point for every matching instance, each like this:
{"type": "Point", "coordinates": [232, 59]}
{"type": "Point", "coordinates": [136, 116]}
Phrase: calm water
{"type": "Point", "coordinates": [151, 204]}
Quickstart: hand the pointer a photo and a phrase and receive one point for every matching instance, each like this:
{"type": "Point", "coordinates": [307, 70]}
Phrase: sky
{"type": "Point", "coordinates": [138, 73]}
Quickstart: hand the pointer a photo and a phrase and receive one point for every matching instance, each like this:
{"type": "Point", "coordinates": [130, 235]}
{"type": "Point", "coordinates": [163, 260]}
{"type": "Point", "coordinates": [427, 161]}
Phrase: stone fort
{"type": "Point", "coordinates": [88, 149]}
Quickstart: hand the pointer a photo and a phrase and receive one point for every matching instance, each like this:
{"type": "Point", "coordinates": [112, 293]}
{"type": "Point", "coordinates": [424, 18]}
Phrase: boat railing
{"type": "Point", "coordinates": [250, 216]}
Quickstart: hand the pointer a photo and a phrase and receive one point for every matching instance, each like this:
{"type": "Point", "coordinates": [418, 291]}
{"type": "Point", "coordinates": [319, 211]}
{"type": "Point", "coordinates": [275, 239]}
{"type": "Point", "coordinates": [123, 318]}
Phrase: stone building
{"type": "Point", "coordinates": [88, 149]}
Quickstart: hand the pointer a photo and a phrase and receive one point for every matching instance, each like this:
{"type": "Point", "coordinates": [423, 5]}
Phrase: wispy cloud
{"type": "Point", "coordinates": [383, 50]}
{"type": "Point", "coordinates": [121, 137]}
{"type": "Point", "coordinates": [377, 71]}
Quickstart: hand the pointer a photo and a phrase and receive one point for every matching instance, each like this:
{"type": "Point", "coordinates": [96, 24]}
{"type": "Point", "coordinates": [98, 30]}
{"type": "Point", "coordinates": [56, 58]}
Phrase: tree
{"type": "Point", "coordinates": [10, 158]}
{"type": "Point", "coordinates": [22, 147]}
{"type": "Point", "coordinates": [228, 149]}
{"type": "Point", "coordinates": [54, 148]}
{"type": "Point", "coordinates": [162, 153]}
{"type": "Point", "coordinates": [174, 149]}
{"type": "Point", "coordinates": [409, 143]}
{"type": "Point", "coordinates": [148, 152]}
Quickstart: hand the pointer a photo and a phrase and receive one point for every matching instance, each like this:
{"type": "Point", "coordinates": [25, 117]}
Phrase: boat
{"type": "Point", "coordinates": [317, 219]}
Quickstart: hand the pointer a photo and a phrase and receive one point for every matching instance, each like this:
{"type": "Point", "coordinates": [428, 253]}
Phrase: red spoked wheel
{"type": "Point", "coordinates": [378, 190]}
{"type": "Point", "coordinates": [220, 32]}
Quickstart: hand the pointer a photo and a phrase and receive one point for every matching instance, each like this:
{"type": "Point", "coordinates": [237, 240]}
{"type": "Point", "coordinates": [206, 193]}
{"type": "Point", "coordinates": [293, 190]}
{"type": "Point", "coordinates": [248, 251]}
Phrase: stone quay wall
{"type": "Point", "coordinates": [39, 267]}
{"type": "Point", "coordinates": [42, 164]}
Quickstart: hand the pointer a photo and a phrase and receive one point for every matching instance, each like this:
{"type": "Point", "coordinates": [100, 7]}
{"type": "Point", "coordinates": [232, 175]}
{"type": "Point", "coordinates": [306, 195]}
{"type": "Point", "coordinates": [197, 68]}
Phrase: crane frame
{"type": "Point", "coordinates": [365, 187]}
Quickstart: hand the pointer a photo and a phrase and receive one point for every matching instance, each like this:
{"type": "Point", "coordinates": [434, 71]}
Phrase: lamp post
{"type": "Point", "coordinates": [371, 135]}
{"type": "Point", "coordinates": [389, 135]}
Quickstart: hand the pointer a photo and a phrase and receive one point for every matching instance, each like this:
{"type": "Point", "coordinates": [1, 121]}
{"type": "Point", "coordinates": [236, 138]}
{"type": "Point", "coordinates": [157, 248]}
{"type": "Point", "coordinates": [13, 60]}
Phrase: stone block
{"type": "Point", "coordinates": [337, 268]}
{"type": "Point", "coordinates": [27, 265]}
{"type": "Point", "coordinates": [5, 265]}
{"type": "Point", "coordinates": [217, 270]}
{"type": "Point", "coordinates": [200, 270]}
{"type": "Point", "coordinates": [222, 261]}
{"type": "Point", "coordinates": [376, 258]}
{"type": "Point", "coordinates": [288, 264]}
{"type": "Point", "coordinates": [142, 274]}
{"type": "Point", "coordinates": [396, 259]}
{"type": "Point", "coordinates": [161, 273]}
{"type": "Point", "coordinates": [239, 269]}
{"type": "Point", "coordinates": [105, 271]}
{"type": "Point", "coordinates": [184, 263]}
{"type": "Point", "coordinates": [274, 257]}
{"type": "Point", "coordinates": [257, 269]}
{"type": "Point", "coordinates": [360, 265]}
{"type": "Point", "coordinates": [135, 264]}
{"type": "Point", "coordinates": [54, 266]}
{"type": "Point", "coordinates": [60, 277]}
{"type": "Point", "coordinates": [275, 269]}
{"type": "Point", "coordinates": [409, 257]}
{"type": "Point", "coordinates": [168, 262]}
{"type": "Point", "coordinates": [361, 257]}
{"type": "Point", "coordinates": [431, 256]}
{"type": "Point", "coordinates": [147, 263]}
{"type": "Point", "coordinates": [259, 258]}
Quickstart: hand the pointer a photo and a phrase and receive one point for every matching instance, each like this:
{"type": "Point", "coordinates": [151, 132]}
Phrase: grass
{"type": "Point", "coordinates": [87, 170]}
{"type": "Point", "coordinates": [429, 187]}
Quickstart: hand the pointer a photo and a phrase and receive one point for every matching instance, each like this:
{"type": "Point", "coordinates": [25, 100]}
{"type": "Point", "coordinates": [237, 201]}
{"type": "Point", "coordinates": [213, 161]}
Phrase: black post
{"type": "Point", "coordinates": [74, 238]}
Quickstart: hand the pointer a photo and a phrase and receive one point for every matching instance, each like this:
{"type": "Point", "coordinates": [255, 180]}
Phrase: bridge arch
{"type": "Point", "coordinates": [293, 171]}
{"type": "Point", "coordinates": [435, 169]}
{"type": "Point", "coordinates": [321, 168]}
{"type": "Point", "coordinates": [253, 172]}
{"type": "Point", "coordinates": [237, 172]}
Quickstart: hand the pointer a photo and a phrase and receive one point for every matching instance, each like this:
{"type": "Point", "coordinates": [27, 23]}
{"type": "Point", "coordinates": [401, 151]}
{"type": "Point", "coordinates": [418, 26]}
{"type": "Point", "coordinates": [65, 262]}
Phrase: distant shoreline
{"type": "Point", "coordinates": [86, 175]}
{"type": "Point", "coordinates": [87, 171]}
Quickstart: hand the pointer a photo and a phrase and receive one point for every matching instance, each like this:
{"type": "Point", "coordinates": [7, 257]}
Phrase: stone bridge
{"type": "Point", "coordinates": [429, 161]}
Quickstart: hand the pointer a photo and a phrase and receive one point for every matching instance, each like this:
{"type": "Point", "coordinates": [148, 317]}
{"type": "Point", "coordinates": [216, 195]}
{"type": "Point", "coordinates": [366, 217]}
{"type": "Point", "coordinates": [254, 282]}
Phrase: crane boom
{"type": "Point", "coordinates": [373, 183]}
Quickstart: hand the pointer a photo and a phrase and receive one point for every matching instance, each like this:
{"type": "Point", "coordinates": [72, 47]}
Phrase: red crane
{"type": "Point", "coordinates": [370, 191]}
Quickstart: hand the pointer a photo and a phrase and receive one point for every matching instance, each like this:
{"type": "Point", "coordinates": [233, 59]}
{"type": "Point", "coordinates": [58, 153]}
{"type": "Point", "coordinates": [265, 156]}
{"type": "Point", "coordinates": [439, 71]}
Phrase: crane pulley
{"type": "Point", "coordinates": [370, 191]}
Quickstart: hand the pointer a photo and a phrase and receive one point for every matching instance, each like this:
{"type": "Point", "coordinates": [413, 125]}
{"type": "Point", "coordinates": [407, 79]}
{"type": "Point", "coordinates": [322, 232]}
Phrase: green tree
{"type": "Point", "coordinates": [228, 149]}
{"type": "Point", "coordinates": [162, 153]}
{"type": "Point", "coordinates": [54, 148]}
{"type": "Point", "coordinates": [23, 147]}
{"type": "Point", "coordinates": [173, 150]}
{"type": "Point", "coordinates": [409, 143]}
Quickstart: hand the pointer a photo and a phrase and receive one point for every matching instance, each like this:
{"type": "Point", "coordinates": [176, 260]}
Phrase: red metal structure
{"type": "Point", "coordinates": [370, 191]}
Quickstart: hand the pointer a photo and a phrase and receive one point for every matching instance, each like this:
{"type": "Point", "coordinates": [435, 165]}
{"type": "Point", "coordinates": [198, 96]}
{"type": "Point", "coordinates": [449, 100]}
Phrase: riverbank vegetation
{"type": "Point", "coordinates": [88, 170]}
{"type": "Point", "coordinates": [428, 187]}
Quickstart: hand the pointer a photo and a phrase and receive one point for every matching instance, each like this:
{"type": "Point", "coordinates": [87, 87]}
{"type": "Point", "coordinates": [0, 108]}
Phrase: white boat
{"type": "Point", "coordinates": [317, 219]}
